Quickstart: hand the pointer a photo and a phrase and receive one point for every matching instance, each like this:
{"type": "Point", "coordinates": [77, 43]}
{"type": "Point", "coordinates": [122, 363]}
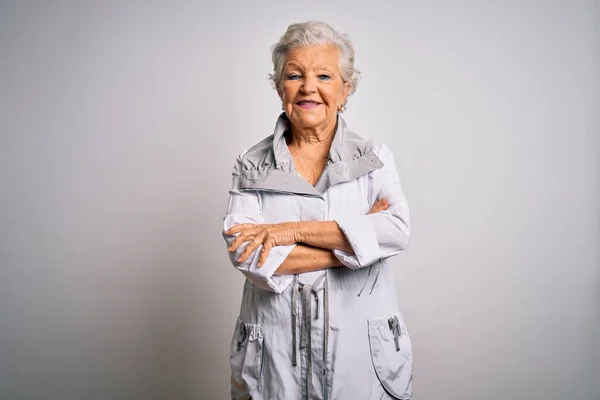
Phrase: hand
{"type": "Point", "coordinates": [380, 205]}
{"type": "Point", "coordinates": [269, 235]}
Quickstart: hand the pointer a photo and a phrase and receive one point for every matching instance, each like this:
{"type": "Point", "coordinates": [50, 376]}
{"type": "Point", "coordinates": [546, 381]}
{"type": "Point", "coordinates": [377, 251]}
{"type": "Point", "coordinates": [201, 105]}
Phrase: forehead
{"type": "Point", "coordinates": [312, 57]}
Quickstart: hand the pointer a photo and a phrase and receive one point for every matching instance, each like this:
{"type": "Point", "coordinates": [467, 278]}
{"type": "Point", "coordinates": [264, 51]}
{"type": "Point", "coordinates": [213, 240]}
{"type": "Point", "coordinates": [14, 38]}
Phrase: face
{"type": "Point", "coordinates": [312, 88]}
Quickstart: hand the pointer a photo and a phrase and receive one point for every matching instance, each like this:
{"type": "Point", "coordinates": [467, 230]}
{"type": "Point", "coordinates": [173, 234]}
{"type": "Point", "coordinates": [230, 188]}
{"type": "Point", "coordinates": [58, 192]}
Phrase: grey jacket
{"type": "Point", "coordinates": [342, 336]}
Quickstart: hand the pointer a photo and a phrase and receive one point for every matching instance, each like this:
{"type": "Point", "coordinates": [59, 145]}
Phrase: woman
{"type": "Point", "coordinates": [314, 213]}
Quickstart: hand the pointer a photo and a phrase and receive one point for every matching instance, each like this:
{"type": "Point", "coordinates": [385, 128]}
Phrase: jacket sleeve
{"type": "Point", "coordinates": [245, 207]}
{"type": "Point", "coordinates": [383, 234]}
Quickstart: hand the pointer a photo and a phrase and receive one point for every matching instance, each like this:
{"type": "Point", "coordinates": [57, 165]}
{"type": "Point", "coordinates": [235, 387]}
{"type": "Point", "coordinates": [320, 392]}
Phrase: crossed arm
{"type": "Point", "coordinates": [314, 241]}
{"type": "Point", "coordinates": [269, 254]}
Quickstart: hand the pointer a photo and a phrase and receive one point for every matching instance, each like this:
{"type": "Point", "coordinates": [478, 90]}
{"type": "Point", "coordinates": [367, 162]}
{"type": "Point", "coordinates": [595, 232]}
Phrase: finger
{"type": "Point", "coordinates": [238, 228]}
{"type": "Point", "coordinates": [372, 210]}
{"type": "Point", "coordinates": [252, 246]}
{"type": "Point", "coordinates": [241, 238]}
{"type": "Point", "coordinates": [383, 205]}
{"type": "Point", "coordinates": [264, 253]}
{"type": "Point", "coordinates": [379, 205]}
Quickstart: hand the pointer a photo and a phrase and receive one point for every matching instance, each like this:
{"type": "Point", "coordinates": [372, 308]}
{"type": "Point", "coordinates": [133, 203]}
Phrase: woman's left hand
{"type": "Point", "coordinates": [269, 235]}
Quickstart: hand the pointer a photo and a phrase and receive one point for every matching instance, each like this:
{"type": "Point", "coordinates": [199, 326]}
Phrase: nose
{"type": "Point", "coordinates": [309, 84]}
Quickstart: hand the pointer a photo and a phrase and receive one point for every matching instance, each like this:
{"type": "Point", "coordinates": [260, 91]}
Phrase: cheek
{"type": "Point", "coordinates": [332, 95]}
{"type": "Point", "coordinates": [288, 92]}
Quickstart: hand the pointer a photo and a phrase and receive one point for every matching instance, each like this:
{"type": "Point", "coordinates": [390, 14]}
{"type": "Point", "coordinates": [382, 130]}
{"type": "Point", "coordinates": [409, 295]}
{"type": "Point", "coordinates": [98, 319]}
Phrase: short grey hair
{"type": "Point", "coordinates": [314, 33]}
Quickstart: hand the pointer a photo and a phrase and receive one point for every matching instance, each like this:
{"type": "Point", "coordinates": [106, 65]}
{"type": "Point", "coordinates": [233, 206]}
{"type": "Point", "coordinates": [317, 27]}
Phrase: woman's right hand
{"type": "Point", "coordinates": [380, 205]}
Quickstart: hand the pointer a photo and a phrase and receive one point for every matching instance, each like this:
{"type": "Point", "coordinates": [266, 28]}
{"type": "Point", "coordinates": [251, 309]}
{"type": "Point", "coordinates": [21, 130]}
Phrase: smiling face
{"type": "Point", "coordinates": [312, 89]}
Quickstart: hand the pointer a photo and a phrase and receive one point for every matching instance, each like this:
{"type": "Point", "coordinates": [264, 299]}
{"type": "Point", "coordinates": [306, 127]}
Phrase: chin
{"type": "Point", "coordinates": [307, 122]}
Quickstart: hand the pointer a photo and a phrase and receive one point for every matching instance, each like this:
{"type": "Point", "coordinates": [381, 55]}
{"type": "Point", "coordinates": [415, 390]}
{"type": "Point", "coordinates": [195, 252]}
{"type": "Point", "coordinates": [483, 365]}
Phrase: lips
{"type": "Point", "coordinates": [307, 104]}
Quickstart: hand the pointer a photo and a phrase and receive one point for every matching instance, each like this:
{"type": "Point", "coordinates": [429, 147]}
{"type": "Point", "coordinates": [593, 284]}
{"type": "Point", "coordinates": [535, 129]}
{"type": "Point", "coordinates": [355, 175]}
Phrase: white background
{"type": "Point", "coordinates": [119, 125]}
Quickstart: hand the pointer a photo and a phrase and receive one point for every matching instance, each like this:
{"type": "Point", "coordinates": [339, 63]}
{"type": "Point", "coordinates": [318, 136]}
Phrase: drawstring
{"type": "Point", "coordinates": [367, 279]}
{"type": "Point", "coordinates": [317, 286]}
{"type": "Point", "coordinates": [375, 281]}
{"type": "Point", "coordinates": [305, 334]}
{"type": "Point", "coordinates": [306, 342]}
{"type": "Point", "coordinates": [321, 283]}
{"type": "Point", "coordinates": [294, 314]}
{"type": "Point", "coordinates": [365, 284]}
{"type": "Point", "coordinates": [325, 337]}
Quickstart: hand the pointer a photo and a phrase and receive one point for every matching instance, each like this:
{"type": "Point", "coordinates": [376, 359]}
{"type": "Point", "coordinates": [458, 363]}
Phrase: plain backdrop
{"type": "Point", "coordinates": [120, 122]}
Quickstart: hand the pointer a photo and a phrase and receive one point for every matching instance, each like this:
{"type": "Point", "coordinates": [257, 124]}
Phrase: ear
{"type": "Point", "coordinates": [346, 91]}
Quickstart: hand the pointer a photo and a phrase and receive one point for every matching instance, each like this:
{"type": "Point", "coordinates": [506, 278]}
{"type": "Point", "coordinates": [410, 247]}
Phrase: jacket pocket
{"type": "Point", "coordinates": [246, 359]}
{"type": "Point", "coordinates": [391, 354]}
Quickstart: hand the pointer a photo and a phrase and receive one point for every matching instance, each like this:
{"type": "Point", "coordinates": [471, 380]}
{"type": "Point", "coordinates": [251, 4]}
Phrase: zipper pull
{"type": "Point", "coordinates": [243, 336]}
{"type": "Point", "coordinates": [394, 325]}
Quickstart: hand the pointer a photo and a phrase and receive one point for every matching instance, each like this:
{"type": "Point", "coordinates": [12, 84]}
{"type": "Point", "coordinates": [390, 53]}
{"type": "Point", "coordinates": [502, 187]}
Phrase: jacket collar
{"type": "Point", "coordinates": [350, 156]}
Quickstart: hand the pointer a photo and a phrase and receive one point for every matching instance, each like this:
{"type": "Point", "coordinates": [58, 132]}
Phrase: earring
{"type": "Point", "coordinates": [341, 108]}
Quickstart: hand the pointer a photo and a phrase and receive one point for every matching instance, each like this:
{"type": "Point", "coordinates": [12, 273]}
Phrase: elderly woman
{"type": "Point", "coordinates": [314, 213]}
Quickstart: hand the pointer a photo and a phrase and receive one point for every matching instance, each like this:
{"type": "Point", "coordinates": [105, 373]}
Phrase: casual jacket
{"type": "Point", "coordinates": [338, 335]}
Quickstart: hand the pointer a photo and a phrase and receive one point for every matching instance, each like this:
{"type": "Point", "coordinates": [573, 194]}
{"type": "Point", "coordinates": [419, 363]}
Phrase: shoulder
{"type": "Point", "coordinates": [382, 151]}
{"type": "Point", "coordinates": [357, 146]}
{"type": "Point", "coordinates": [259, 156]}
{"type": "Point", "coordinates": [369, 148]}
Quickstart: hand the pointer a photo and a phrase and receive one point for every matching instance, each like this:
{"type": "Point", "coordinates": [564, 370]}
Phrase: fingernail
{"type": "Point", "coordinates": [239, 259]}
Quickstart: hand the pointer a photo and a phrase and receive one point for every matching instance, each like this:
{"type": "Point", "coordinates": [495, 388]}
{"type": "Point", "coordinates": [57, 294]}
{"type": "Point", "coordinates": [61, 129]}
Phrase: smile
{"type": "Point", "coordinates": [308, 104]}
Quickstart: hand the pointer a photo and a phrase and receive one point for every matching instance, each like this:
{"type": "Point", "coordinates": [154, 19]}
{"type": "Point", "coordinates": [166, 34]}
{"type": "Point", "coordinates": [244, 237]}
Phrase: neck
{"type": "Point", "coordinates": [313, 136]}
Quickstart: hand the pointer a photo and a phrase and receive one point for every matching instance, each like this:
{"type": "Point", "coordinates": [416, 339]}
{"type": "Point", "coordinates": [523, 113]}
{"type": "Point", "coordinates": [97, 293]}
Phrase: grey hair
{"type": "Point", "coordinates": [313, 33]}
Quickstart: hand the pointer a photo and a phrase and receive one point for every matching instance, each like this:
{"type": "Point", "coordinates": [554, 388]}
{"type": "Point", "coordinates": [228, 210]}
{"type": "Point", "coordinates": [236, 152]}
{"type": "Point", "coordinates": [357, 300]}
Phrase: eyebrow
{"type": "Point", "coordinates": [292, 64]}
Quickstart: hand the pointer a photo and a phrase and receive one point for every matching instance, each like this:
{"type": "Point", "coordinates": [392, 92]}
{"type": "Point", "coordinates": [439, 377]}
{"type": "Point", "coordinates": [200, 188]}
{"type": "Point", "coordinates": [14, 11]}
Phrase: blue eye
{"type": "Point", "coordinates": [324, 77]}
{"type": "Point", "coordinates": [293, 77]}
